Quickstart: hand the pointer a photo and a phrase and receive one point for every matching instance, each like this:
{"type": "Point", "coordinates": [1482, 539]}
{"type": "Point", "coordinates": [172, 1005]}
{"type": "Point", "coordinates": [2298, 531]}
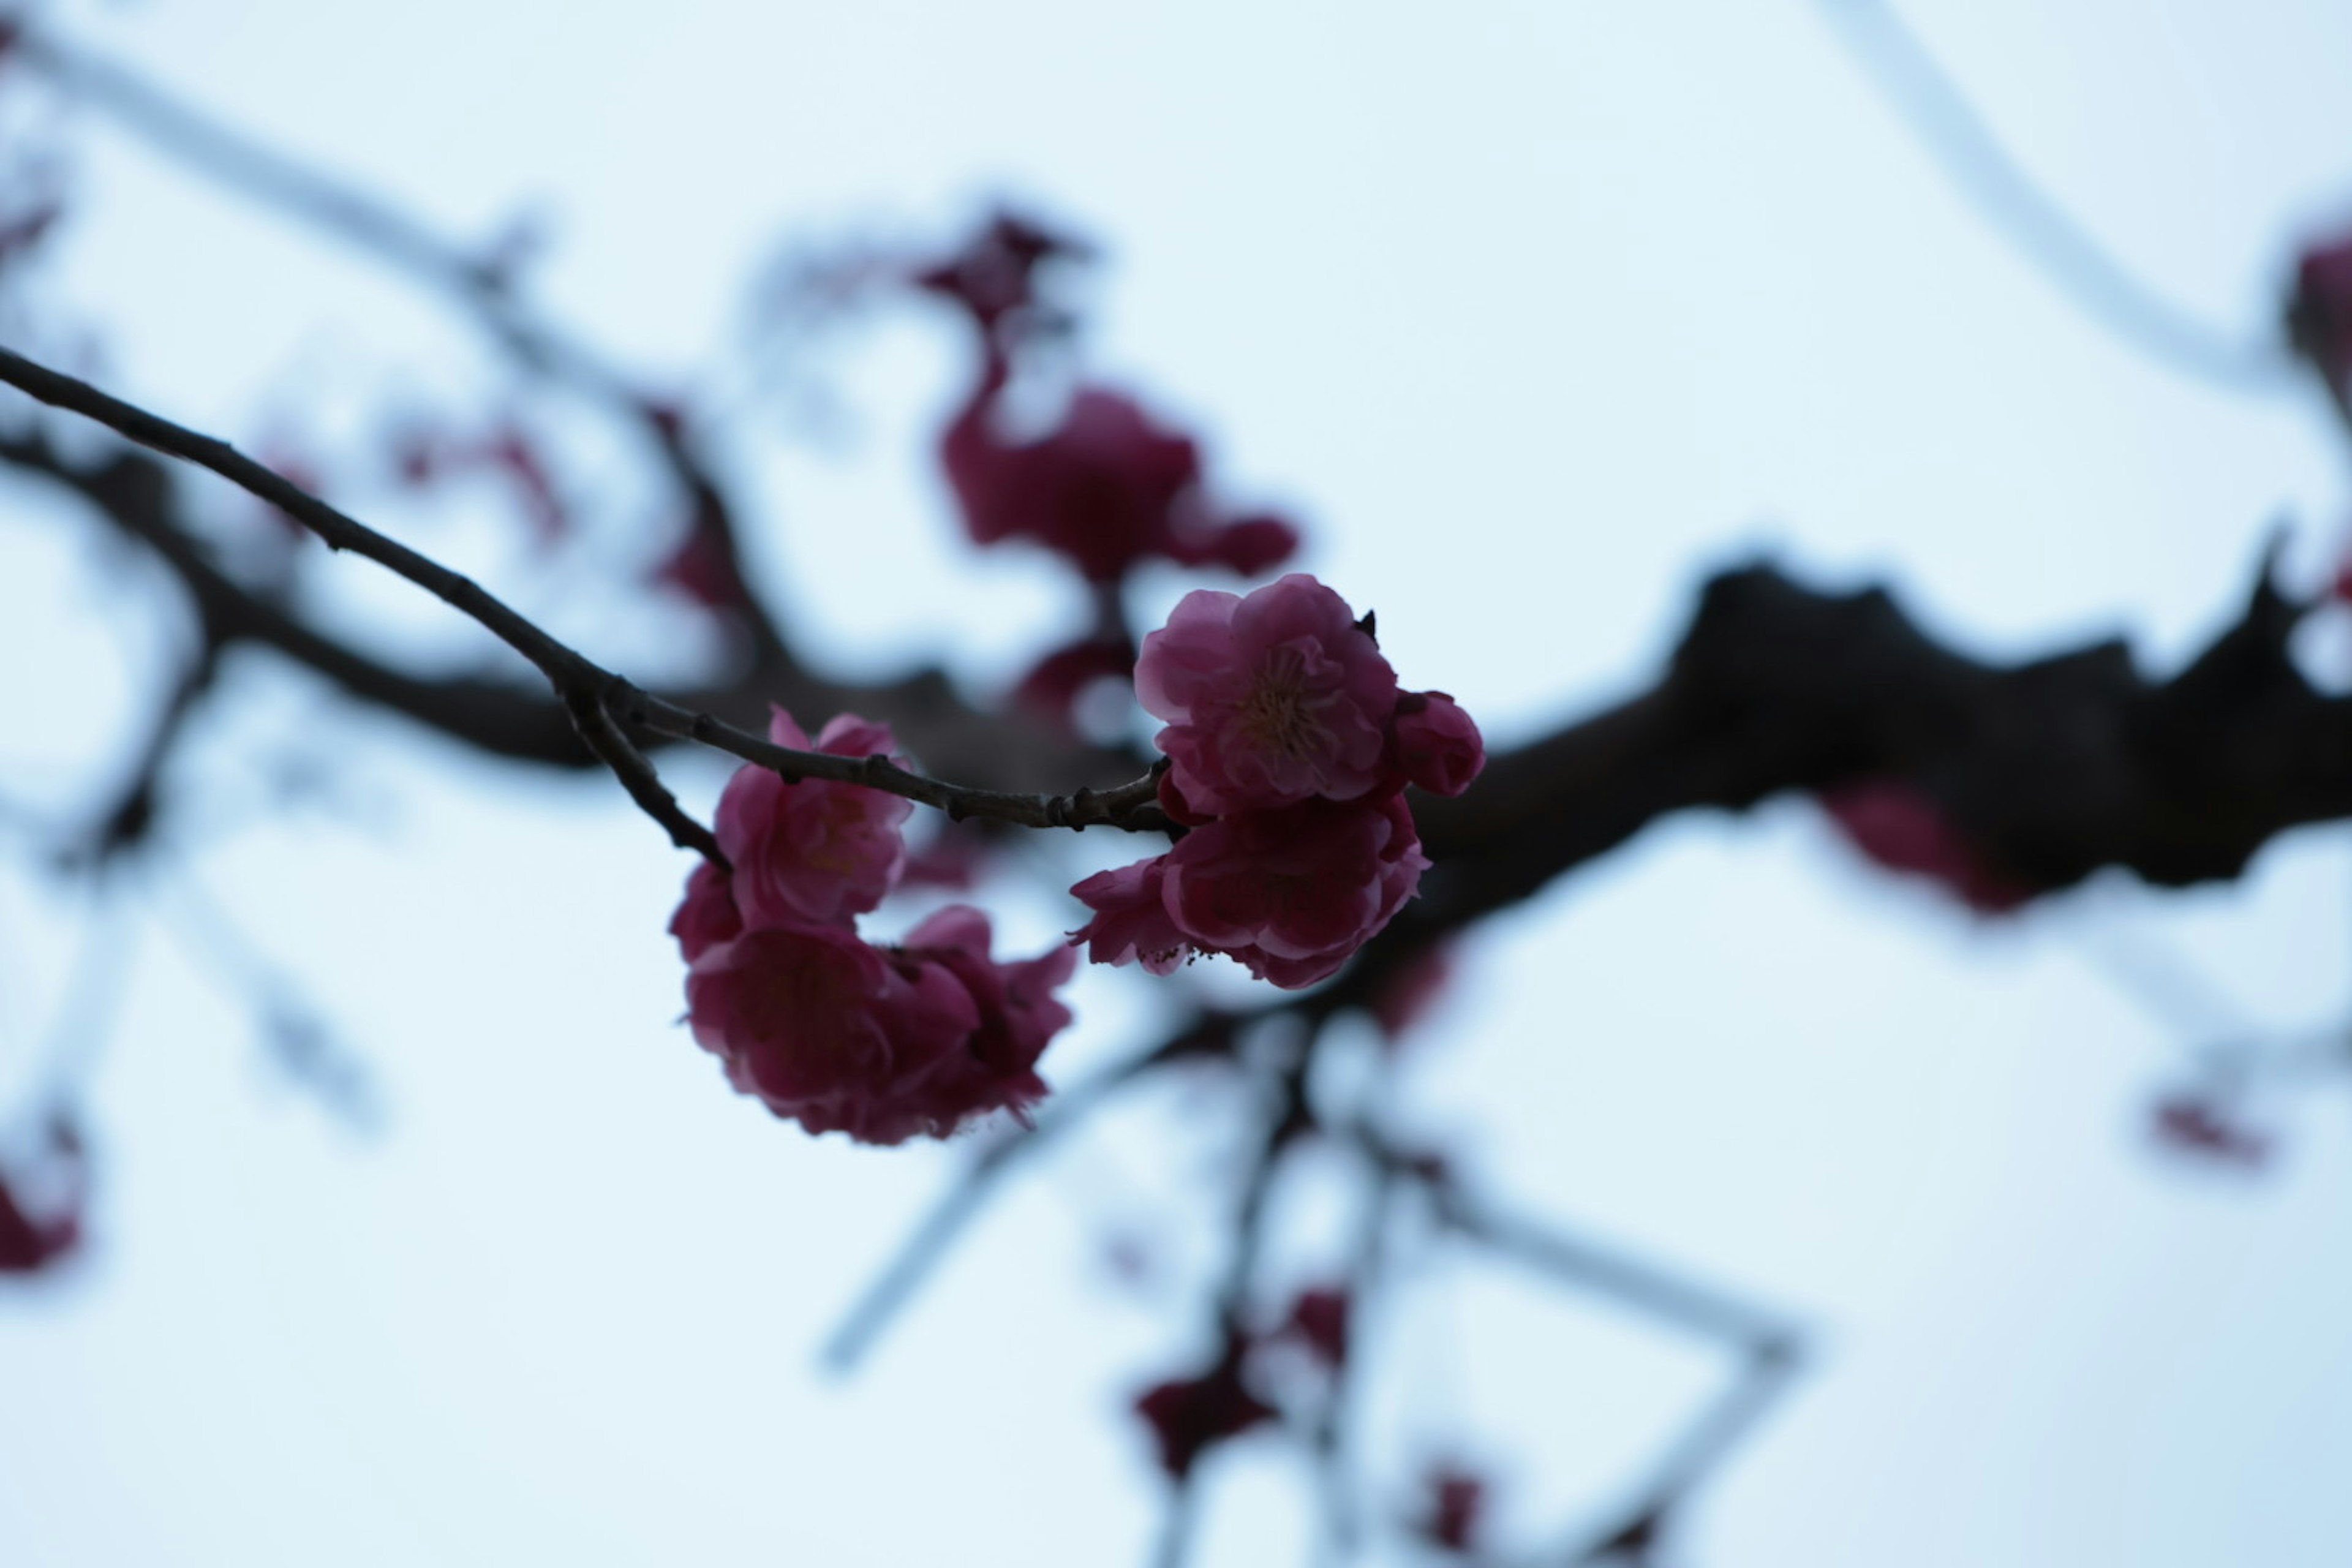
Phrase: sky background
{"type": "Point", "coordinates": [1535, 314]}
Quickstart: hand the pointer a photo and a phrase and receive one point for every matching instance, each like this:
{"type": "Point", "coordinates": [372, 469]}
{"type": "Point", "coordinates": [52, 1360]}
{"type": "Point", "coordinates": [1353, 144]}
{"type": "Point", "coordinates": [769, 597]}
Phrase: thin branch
{"type": "Point", "coordinates": [1131, 806]}
{"type": "Point", "coordinates": [1957, 137]}
{"type": "Point", "coordinates": [481, 284]}
{"type": "Point", "coordinates": [637, 774]}
{"type": "Point", "coordinates": [1606, 1271]}
{"type": "Point", "coordinates": [878, 1305]}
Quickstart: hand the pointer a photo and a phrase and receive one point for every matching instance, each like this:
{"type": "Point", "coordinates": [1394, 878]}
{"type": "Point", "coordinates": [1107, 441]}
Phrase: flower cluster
{"type": "Point", "coordinates": [826, 1028]}
{"type": "Point", "coordinates": [1107, 486]}
{"type": "Point", "coordinates": [1289, 747]}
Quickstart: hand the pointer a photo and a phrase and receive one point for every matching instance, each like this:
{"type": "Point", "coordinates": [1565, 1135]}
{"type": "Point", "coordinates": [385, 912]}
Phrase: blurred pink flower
{"type": "Point", "coordinates": [34, 1238]}
{"type": "Point", "coordinates": [1897, 825]}
{"type": "Point", "coordinates": [2195, 1125]}
{"type": "Point", "coordinates": [827, 1031]}
{"type": "Point", "coordinates": [1456, 1509]}
{"type": "Point", "coordinates": [1291, 893]}
{"type": "Point", "coordinates": [1190, 1415]}
{"type": "Point", "coordinates": [2320, 315]}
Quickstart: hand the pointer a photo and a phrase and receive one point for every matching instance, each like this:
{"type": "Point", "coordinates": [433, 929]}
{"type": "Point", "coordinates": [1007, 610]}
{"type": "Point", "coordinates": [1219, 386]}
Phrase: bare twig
{"type": "Point", "coordinates": [1955, 136]}
{"type": "Point", "coordinates": [577, 680]}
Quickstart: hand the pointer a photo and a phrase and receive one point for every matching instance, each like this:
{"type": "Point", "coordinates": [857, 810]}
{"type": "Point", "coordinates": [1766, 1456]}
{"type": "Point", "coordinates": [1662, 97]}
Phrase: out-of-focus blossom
{"type": "Point", "coordinates": [1454, 1509]}
{"type": "Point", "coordinates": [1190, 1415]}
{"type": "Point", "coordinates": [827, 1031]}
{"type": "Point", "coordinates": [702, 568]}
{"type": "Point", "coordinates": [995, 276]}
{"type": "Point", "coordinates": [1405, 998]}
{"type": "Point", "coordinates": [1106, 488]}
{"type": "Point", "coordinates": [1899, 826]}
{"type": "Point", "coordinates": [1054, 685]}
{"type": "Point", "coordinates": [37, 1236]}
{"type": "Point", "coordinates": [2319, 316]}
{"type": "Point", "coordinates": [2203, 1128]}
{"type": "Point", "coordinates": [1320, 1320]}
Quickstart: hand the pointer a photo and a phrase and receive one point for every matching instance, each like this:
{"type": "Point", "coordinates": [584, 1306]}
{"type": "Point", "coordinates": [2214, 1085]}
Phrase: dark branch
{"type": "Point", "coordinates": [576, 680]}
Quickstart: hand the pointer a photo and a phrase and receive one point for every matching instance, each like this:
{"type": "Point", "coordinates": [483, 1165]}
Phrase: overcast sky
{"type": "Point", "coordinates": [1535, 314]}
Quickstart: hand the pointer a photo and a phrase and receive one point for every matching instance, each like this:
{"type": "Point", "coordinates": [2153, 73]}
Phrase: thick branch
{"type": "Point", "coordinates": [2050, 770]}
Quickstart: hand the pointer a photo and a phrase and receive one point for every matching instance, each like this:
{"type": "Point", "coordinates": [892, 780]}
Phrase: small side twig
{"type": "Point", "coordinates": [576, 679]}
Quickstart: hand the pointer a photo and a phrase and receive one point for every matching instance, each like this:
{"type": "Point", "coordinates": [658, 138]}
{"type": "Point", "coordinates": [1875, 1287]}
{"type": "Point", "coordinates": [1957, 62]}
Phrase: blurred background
{"type": "Point", "coordinates": [1533, 314]}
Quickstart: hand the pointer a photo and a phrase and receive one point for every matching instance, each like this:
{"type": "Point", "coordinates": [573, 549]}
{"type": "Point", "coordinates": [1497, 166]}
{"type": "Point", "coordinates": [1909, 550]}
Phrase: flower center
{"type": "Point", "coordinates": [1280, 713]}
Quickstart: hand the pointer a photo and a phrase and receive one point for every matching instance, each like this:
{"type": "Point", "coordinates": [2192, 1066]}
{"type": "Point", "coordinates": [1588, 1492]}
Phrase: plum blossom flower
{"type": "Point", "coordinates": [2319, 314]}
{"type": "Point", "coordinates": [1289, 749]}
{"type": "Point", "coordinates": [1293, 893]}
{"type": "Point", "coordinates": [1320, 1320]}
{"type": "Point", "coordinates": [1290, 893]}
{"type": "Point", "coordinates": [824, 1028]}
{"type": "Point", "coordinates": [1457, 1508]}
{"type": "Point", "coordinates": [816, 850]}
{"type": "Point", "coordinates": [34, 1236]}
{"type": "Point", "coordinates": [1190, 1415]}
{"type": "Point", "coordinates": [1436, 745]}
{"type": "Point", "coordinates": [1268, 700]}
{"type": "Point", "coordinates": [2204, 1127]}
{"type": "Point", "coordinates": [1898, 825]}
{"type": "Point", "coordinates": [827, 1031]}
{"type": "Point", "coordinates": [1018, 1013]}
{"type": "Point", "coordinates": [1106, 488]}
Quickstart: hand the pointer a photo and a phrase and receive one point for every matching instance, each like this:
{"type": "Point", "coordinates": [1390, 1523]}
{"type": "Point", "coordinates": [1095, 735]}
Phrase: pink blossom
{"type": "Point", "coordinates": [815, 851]}
{"type": "Point", "coordinates": [1190, 1415]}
{"type": "Point", "coordinates": [708, 915]}
{"type": "Point", "coordinates": [1405, 998]}
{"type": "Point", "coordinates": [993, 276]}
{"type": "Point", "coordinates": [1291, 893]}
{"type": "Point", "coordinates": [2320, 315]}
{"type": "Point", "coordinates": [1320, 1320]}
{"type": "Point", "coordinates": [1131, 923]}
{"type": "Point", "coordinates": [35, 1238]}
{"type": "Point", "coordinates": [1457, 1508]}
{"type": "Point", "coordinates": [1017, 1005]}
{"type": "Point", "coordinates": [1106, 488]}
{"type": "Point", "coordinates": [1897, 825]}
{"type": "Point", "coordinates": [827, 1032]}
{"type": "Point", "coordinates": [1052, 687]}
{"type": "Point", "coordinates": [702, 568]}
{"type": "Point", "coordinates": [1269, 699]}
{"type": "Point", "coordinates": [1438, 747]}
{"type": "Point", "coordinates": [2197, 1125]}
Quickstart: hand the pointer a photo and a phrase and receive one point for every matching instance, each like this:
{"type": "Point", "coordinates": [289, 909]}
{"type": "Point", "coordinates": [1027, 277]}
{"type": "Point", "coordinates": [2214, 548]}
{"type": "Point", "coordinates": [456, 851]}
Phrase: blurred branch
{"type": "Point", "coordinates": [879, 1304]}
{"type": "Point", "coordinates": [1957, 137]}
{"type": "Point", "coordinates": [481, 282]}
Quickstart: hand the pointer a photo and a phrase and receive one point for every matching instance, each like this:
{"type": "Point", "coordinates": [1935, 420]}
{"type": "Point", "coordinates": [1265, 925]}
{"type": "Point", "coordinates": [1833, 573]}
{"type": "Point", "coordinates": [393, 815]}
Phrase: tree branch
{"type": "Point", "coordinates": [577, 680]}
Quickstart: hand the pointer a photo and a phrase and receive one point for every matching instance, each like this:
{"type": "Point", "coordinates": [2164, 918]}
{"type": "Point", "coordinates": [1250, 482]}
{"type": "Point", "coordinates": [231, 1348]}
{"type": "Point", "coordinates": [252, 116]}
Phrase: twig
{"type": "Point", "coordinates": [877, 1307]}
{"type": "Point", "coordinates": [1955, 136]}
{"type": "Point", "coordinates": [577, 680]}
